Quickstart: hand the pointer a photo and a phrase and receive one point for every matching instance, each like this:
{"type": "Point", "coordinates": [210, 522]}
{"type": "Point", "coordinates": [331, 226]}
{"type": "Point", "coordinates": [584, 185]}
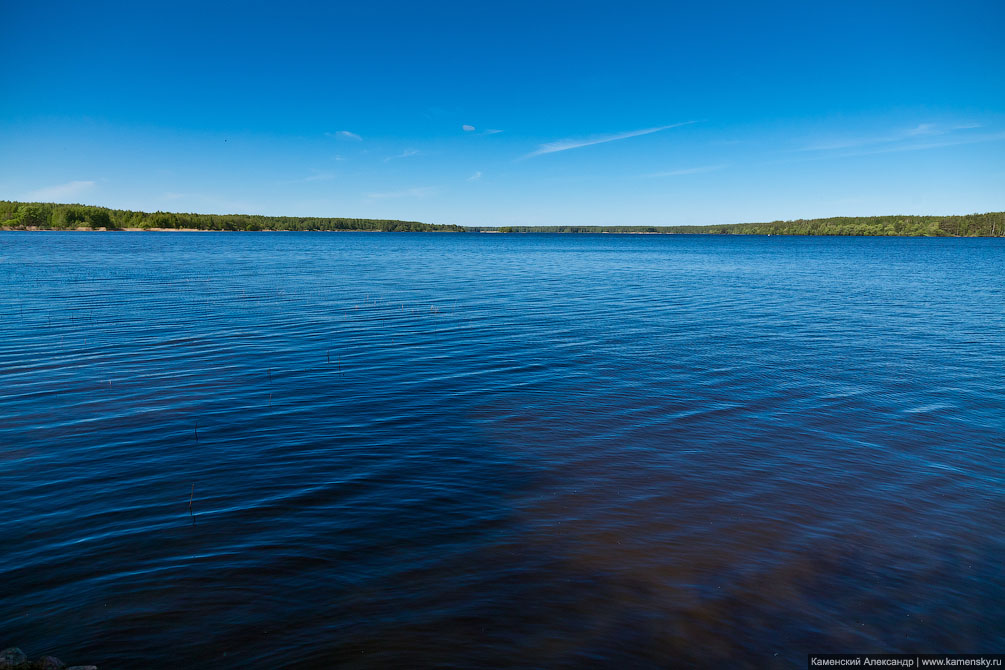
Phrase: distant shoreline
{"type": "Point", "coordinates": [477, 232]}
{"type": "Point", "coordinates": [32, 216]}
{"type": "Point", "coordinates": [36, 229]}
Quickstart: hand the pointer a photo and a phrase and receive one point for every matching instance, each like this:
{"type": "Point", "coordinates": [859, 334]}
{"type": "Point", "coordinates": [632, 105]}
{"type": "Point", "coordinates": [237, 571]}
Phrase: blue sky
{"type": "Point", "coordinates": [509, 113]}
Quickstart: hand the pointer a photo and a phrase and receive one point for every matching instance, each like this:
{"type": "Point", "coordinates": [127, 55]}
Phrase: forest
{"type": "Point", "coordinates": [991, 224]}
{"type": "Point", "coordinates": [53, 216]}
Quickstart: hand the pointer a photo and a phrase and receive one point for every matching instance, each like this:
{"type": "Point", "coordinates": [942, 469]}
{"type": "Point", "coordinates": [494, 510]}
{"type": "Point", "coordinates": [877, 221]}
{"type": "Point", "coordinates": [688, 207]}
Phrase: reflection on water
{"type": "Point", "coordinates": [481, 450]}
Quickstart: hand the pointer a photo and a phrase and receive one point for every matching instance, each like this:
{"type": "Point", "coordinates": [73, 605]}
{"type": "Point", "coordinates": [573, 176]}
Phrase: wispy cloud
{"type": "Point", "coordinates": [320, 176]}
{"type": "Point", "coordinates": [416, 192]}
{"type": "Point", "coordinates": [922, 129]}
{"type": "Point", "coordinates": [565, 145]}
{"type": "Point", "coordinates": [917, 141]}
{"type": "Point", "coordinates": [904, 135]}
{"type": "Point", "coordinates": [317, 175]}
{"type": "Point", "coordinates": [947, 142]}
{"type": "Point", "coordinates": [684, 171]}
{"type": "Point", "coordinates": [61, 191]}
{"type": "Point", "coordinates": [476, 176]}
{"type": "Point", "coordinates": [404, 154]}
{"type": "Point", "coordinates": [468, 128]}
{"type": "Point", "coordinates": [345, 135]}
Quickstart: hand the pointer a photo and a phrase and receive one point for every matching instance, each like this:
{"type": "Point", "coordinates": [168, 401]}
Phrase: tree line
{"type": "Point", "coordinates": [990, 224]}
{"type": "Point", "coordinates": [53, 216]}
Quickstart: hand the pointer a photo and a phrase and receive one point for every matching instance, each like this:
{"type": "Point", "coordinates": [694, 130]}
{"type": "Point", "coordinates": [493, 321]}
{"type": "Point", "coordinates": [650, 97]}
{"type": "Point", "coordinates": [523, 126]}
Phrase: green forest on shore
{"type": "Point", "coordinates": [991, 224]}
{"type": "Point", "coordinates": [52, 216]}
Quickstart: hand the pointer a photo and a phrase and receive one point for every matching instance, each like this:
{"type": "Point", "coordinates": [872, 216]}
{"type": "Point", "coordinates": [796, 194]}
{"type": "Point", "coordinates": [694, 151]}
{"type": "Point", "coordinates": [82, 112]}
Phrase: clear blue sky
{"type": "Point", "coordinates": [507, 113]}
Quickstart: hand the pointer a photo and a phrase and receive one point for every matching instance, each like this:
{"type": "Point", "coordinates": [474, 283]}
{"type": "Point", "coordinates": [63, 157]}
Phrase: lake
{"type": "Point", "coordinates": [309, 450]}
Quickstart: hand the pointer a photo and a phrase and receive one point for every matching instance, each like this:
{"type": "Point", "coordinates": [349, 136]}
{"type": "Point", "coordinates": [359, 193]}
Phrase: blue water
{"type": "Point", "coordinates": [432, 450]}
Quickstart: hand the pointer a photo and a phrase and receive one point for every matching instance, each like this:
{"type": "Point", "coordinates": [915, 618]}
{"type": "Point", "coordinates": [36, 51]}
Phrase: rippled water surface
{"type": "Point", "coordinates": [432, 450]}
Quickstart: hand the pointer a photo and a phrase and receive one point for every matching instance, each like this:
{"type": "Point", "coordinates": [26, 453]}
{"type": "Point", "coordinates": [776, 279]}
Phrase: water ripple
{"type": "Point", "coordinates": [480, 450]}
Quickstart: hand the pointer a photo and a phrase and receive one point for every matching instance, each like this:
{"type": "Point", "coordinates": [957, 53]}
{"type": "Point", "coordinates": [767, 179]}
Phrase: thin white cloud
{"type": "Point", "coordinates": [847, 143]}
{"type": "Point", "coordinates": [345, 135]}
{"type": "Point", "coordinates": [922, 129]}
{"type": "Point", "coordinates": [467, 128]}
{"type": "Point", "coordinates": [861, 150]}
{"type": "Point", "coordinates": [315, 176]}
{"type": "Point", "coordinates": [404, 154]}
{"type": "Point", "coordinates": [61, 191]}
{"type": "Point", "coordinates": [565, 145]}
{"type": "Point", "coordinates": [491, 131]}
{"type": "Point", "coordinates": [416, 192]}
{"type": "Point", "coordinates": [948, 142]}
{"type": "Point", "coordinates": [320, 176]}
{"type": "Point", "coordinates": [907, 134]}
{"type": "Point", "coordinates": [684, 171]}
{"type": "Point", "coordinates": [476, 176]}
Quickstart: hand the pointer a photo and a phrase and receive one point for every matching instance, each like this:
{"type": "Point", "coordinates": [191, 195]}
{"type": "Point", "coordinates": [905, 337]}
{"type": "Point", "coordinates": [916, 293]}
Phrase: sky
{"type": "Point", "coordinates": [514, 113]}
